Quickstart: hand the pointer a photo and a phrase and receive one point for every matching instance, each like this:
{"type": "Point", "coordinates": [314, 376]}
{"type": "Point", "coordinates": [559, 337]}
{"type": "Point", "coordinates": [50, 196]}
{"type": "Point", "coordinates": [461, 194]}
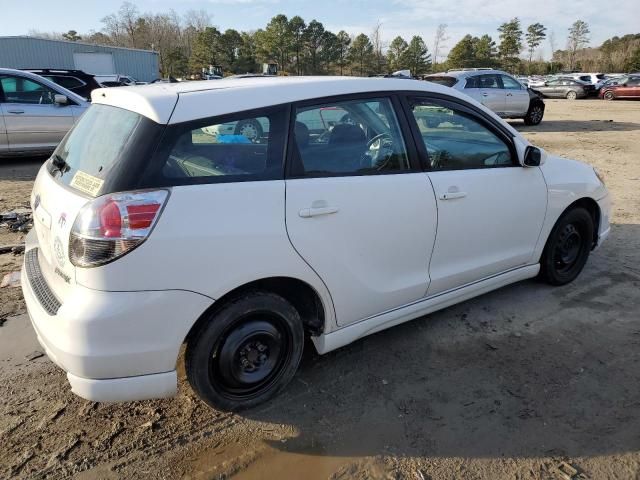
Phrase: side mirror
{"type": "Point", "coordinates": [532, 157]}
{"type": "Point", "coordinates": [59, 99]}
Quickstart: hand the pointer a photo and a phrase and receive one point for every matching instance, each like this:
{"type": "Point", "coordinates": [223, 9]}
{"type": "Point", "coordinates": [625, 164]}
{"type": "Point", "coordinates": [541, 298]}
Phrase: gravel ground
{"type": "Point", "coordinates": [526, 382]}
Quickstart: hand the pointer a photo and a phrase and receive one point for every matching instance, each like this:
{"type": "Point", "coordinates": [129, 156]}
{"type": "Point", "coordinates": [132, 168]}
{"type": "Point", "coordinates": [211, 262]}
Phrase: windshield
{"type": "Point", "coordinates": [442, 80]}
{"type": "Point", "coordinates": [103, 150]}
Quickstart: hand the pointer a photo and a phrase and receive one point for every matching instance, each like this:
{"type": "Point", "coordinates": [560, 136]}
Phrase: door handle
{"type": "Point", "coordinates": [15, 111]}
{"type": "Point", "coordinates": [485, 94]}
{"type": "Point", "coordinates": [452, 195]}
{"type": "Point", "coordinates": [317, 211]}
{"type": "Point", "coordinates": [509, 94]}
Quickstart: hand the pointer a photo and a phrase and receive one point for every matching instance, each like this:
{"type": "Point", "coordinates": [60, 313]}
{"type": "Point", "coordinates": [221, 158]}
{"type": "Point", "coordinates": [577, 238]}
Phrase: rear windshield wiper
{"type": "Point", "coordinates": [59, 163]}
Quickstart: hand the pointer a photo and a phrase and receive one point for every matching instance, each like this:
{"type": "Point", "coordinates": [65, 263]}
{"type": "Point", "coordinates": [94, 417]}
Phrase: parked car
{"type": "Point", "coordinates": [76, 81]}
{"type": "Point", "coordinates": [35, 113]}
{"type": "Point", "coordinates": [146, 237]}
{"type": "Point", "coordinates": [624, 87]}
{"type": "Point", "coordinates": [123, 79]}
{"type": "Point", "coordinates": [595, 79]}
{"type": "Point", "coordinates": [565, 88]}
{"type": "Point", "coordinates": [496, 90]}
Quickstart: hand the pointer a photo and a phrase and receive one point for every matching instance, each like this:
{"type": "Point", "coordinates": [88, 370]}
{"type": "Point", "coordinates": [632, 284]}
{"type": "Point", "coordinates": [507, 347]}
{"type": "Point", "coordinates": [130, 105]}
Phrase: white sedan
{"type": "Point", "coordinates": [411, 198]}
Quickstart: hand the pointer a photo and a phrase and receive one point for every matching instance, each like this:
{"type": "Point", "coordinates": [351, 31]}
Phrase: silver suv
{"type": "Point", "coordinates": [496, 90]}
{"type": "Point", "coordinates": [35, 113]}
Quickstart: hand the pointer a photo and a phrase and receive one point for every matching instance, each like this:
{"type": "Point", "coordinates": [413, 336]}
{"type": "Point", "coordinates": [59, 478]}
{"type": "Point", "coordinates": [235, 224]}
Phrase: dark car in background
{"type": "Point", "coordinates": [568, 88]}
{"type": "Point", "coordinates": [77, 81]}
{"type": "Point", "coordinates": [623, 87]}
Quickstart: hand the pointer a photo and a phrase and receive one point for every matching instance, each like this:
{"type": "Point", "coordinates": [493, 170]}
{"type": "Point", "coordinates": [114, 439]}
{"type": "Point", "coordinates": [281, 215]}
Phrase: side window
{"type": "Point", "coordinates": [23, 90]}
{"type": "Point", "coordinates": [510, 84]}
{"type": "Point", "coordinates": [240, 148]}
{"type": "Point", "coordinates": [456, 140]}
{"type": "Point", "coordinates": [634, 82]}
{"type": "Point", "coordinates": [66, 82]}
{"type": "Point", "coordinates": [489, 81]}
{"type": "Point", "coordinates": [356, 137]}
{"type": "Point", "coordinates": [472, 82]}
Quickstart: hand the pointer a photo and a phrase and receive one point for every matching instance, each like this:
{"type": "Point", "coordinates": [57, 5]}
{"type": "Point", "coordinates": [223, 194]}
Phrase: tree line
{"type": "Point", "coordinates": [190, 43]}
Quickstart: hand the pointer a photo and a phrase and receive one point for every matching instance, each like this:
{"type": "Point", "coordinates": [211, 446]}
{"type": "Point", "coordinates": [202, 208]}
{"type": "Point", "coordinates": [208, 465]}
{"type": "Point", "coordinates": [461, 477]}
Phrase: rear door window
{"type": "Point", "coordinates": [354, 137]}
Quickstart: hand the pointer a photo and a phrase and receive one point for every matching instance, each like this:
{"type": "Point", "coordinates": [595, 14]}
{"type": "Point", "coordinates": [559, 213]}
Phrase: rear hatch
{"type": "Point", "coordinates": [103, 153]}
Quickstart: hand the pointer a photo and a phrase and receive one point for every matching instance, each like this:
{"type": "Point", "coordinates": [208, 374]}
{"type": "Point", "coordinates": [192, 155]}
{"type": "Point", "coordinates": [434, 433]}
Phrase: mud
{"type": "Point", "coordinates": [523, 383]}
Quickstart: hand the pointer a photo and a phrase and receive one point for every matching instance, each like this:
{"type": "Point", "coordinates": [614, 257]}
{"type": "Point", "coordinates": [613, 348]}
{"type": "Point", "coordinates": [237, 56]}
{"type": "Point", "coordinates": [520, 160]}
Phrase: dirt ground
{"type": "Point", "coordinates": [522, 383]}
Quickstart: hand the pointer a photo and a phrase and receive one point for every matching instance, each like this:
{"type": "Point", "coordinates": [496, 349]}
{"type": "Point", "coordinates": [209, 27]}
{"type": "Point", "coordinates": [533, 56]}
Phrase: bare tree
{"type": "Point", "coordinates": [438, 42]}
{"type": "Point", "coordinates": [552, 44]}
{"type": "Point", "coordinates": [376, 41]}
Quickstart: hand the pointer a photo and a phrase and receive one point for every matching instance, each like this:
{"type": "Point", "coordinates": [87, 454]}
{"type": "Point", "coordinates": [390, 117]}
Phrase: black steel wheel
{"type": "Point", "coordinates": [246, 352]}
{"type": "Point", "coordinates": [568, 247]}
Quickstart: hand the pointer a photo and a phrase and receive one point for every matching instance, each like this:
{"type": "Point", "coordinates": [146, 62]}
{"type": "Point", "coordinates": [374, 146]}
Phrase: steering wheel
{"type": "Point", "coordinates": [378, 146]}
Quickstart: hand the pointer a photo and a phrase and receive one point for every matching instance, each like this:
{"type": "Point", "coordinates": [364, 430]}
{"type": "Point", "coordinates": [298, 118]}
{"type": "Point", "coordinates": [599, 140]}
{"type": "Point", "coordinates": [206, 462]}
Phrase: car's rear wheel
{"type": "Point", "coordinates": [534, 115]}
{"type": "Point", "coordinates": [609, 95]}
{"type": "Point", "coordinates": [571, 95]}
{"type": "Point", "coordinates": [568, 247]}
{"type": "Point", "coordinates": [246, 352]}
{"type": "Point", "coordinates": [250, 129]}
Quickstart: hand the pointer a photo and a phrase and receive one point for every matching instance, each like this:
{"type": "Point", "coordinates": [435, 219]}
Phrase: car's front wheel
{"type": "Point", "coordinates": [534, 115]}
{"type": "Point", "coordinates": [609, 95]}
{"type": "Point", "coordinates": [568, 247]}
{"type": "Point", "coordinates": [246, 352]}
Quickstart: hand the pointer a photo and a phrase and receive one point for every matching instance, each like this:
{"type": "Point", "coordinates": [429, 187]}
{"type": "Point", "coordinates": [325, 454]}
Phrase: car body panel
{"type": "Point", "coordinates": [374, 252]}
{"type": "Point", "coordinates": [472, 245]}
{"type": "Point", "coordinates": [4, 141]}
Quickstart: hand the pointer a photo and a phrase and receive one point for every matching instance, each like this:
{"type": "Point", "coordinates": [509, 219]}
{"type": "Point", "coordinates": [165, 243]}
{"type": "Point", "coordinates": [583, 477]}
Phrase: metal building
{"type": "Point", "coordinates": [31, 52]}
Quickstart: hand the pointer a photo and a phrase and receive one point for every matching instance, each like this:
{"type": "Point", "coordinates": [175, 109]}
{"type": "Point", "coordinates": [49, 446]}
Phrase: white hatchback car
{"type": "Point", "coordinates": [150, 234]}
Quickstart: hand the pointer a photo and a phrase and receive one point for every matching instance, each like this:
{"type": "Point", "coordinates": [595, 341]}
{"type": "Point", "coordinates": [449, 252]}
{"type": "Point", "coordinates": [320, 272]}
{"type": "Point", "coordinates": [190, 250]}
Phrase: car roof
{"type": "Point", "coordinates": [54, 86]}
{"type": "Point", "coordinates": [468, 73]}
{"type": "Point", "coordinates": [202, 99]}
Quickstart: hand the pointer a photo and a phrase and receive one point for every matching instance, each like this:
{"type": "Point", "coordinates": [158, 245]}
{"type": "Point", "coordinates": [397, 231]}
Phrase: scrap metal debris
{"type": "Point", "coordinates": [17, 220]}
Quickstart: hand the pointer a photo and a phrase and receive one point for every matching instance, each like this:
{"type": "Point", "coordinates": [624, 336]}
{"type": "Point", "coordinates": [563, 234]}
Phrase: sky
{"type": "Point", "coordinates": [398, 17]}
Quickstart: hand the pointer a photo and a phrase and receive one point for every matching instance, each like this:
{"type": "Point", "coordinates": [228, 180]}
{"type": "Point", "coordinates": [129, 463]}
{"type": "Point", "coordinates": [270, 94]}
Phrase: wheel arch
{"type": "Point", "coordinates": [304, 298]}
{"type": "Point", "coordinates": [591, 206]}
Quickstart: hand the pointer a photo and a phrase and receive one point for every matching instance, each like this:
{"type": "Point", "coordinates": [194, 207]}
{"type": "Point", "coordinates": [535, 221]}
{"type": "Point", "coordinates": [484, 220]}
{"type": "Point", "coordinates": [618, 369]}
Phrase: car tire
{"type": "Point", "coordinates": [245, 352]}
{"type": "Point", "coordinates": [571, 95]}
{"type": "Point", "coordinates": [534, 115]}
{"type": "Point", "coordinates": [609, 95]}
{"type": "Point", "coordinates": [567, 249]}
{"type": "Point", "coordinates": [250, 129]}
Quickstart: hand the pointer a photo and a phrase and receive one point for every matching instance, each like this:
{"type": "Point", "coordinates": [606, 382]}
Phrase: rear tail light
{"type": "Point", "coordinates": [112, 225]}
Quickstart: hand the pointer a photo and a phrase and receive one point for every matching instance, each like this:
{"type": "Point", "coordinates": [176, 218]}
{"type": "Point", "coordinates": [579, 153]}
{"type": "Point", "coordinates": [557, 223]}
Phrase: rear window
{"type": "Point", "coordinates": [442, 80]}
{"type": "Point", "coordinates": [105, 151]}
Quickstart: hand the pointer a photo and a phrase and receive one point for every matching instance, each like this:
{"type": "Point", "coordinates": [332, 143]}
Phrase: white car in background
{"type": "Point", "coordinates": [147, 238]}
{"type": "Point", "coordinates": [496, 90]}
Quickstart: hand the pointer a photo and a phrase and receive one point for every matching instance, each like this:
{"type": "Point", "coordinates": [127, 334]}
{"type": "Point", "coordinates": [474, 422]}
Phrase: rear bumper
{"type": "Point", "coordinates": [116, 346]}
